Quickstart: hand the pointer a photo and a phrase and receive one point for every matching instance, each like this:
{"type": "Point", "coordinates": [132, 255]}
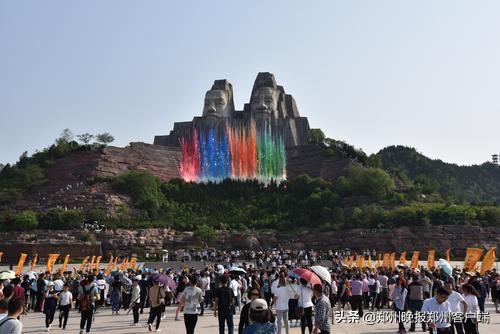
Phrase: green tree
{"type": "Point", "coordinates": [104, 138]}
{"type": "Point", "coordinates": [25, 220]}
{"type": "Point", "coordinates": [317, 136]}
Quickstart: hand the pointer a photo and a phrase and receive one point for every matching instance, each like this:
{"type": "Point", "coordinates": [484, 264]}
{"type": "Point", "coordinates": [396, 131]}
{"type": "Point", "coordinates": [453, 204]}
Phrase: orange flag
{"type": "Point", "coordinates": [448, 254]}
{"type": "Point", "coordinates": [488, 260]}
{"type": "Point", "coordinates": [115, 263]}
{"type": "Point", "coordinates": [64, 266]}
{"type": "Point", "coordinates": [471, 258]}
{"type": "Point", "coordinates": [414, 260]}
{"type": "Point", "coordinates": [402, 259]}
{"type": "Point", "coordinates": [370, 264]}
{"type": "Point", "coordinates": [51, 261]}
{"type": "Point", "coordinates": [1, 254]}
{"type": "Point", "coordinates": [124, 264]}
{"type": "Point", "coordinates": [107, 271]}
{"type": "Point", "coordinates": [392, 261]}
{"type": "Point", "coordinates": [20, 264]}
{"type": "Point", "coordinates": [387, 258]}
{"type": "Point", "coordinates": [133, 263]}
{"type": "Point", "coordinates": [33, 262]}
{"type": "Point", "coordinates": [92, 260]}
{"type": "Point", "coordinates": [84, 264]}
{"type": "Point", "coordinates": [98, 262]}
{"type": "Point", "coordinates": [379, 261]}
{"type": "Point", "coordinates": [430, 259]}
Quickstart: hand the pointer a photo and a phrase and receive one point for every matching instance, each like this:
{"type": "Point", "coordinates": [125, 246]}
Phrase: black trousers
{"type": "Point", "coordinates": [63, 315]}
{"type": "Point", "coordinates": [470, 326]}
{"type": "Point", "coordinates": [86, 319]}
{"type": "Point", "coordinates": [306, 320]}
{"type": "Point", "coordinates": [357, 304]}
{"type": "Point", "coordinates": [155, 312]}
{"type": "Point", "coordinates": [190, 322]}
{"type": "Point", "coordinates": [49, 317]}
{"type": "Point", "coordinates": [457, 328]}
{"type": "Point", "coordinates": [441, 330]}
{"type": "Point", "coordinates": [135, 311]}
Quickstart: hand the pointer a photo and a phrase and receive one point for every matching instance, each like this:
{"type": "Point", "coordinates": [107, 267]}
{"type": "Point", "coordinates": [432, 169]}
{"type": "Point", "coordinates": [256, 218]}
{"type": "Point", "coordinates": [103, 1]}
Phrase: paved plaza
{"type": "Point", "coordinates": [106, 323]}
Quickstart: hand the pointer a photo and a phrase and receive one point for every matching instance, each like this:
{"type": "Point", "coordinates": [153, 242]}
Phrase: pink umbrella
{"type": "Point", "coordinates": [308, 275]}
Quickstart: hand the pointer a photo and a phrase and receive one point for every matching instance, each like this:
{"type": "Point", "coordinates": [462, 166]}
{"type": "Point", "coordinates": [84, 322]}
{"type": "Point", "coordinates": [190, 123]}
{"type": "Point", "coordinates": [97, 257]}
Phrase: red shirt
{"type": "Point", "coordinates": [18, 293]}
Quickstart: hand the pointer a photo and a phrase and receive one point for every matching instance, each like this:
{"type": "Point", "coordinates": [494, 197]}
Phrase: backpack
{"type": "Point", "coordinates": [86, 301]}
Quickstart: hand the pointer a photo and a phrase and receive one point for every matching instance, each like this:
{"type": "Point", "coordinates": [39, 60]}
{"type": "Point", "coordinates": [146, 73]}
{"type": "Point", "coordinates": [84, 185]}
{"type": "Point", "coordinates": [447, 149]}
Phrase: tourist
{"type": "Point", "coordinates": [4, 308]}
{"type": "Point", "coordinates": [144, 286]}
{"type": "Point", "coordinates": [470, 295]}
{"type": "Point", "coordinates": [224, 305]}
{"type": "Point", "coordinates": [191, 299]}
{"type": "Point", "coordinates": [116, 294]}
{"type": "Point", "coordinates": [135, 300]}
{"type": "Point", "coordinates": [306, 304]}
{"type": "Point", "coordinates": [18, 292]}
{"type": "Point", "coordinates": [415, 300]}
{"type": "Point", "coordinates": [245, 311]}
{"type": "Point", "coordinates": [40, 291]}
{"type": "Point", "coordinates": [357, 294]}
{"type": "Point", "coordinates": [261, 319]}
{"type": "Point", "coordinates": [366, 292]}
{"type": "Point", "coordinates": [374, 286]}
{"type": "Point", "coordinates": [495, 291]}
{"type": "Point", "coordinates": [293, 302]}
{"type": "Point", "coordinates": [87, 296]}
{"type": "Point", "coordinates": [10, 324]}
{"type": "Point", "coordinates": [384, 290]}
{"type": "Point", "coordinates": [322, 311]}
{"type": "Point", "coordinates": [398, 297]}
{"type": "Point", "coordinates": [156, 298]}
{"type": "Point", "coordinates": [65, 299]}
{"type": "Point", "coordinates": [457, 304]}
{"type": "Point", "coordinates": [50, 305]}
{"type": "Point", "coordinates": [281, 299]}
{"type": "Point", "coordinates": [235, 285]}
{"type": "Point", "coordinates": [437, 310]}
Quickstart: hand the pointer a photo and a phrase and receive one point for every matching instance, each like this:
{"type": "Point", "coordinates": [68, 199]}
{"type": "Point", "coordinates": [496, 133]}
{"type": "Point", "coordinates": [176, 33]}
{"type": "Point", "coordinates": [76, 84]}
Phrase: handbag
{"type": "Point", "coordinates": [161, 301]}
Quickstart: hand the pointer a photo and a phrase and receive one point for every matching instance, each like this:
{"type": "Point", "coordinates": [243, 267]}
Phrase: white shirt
{"type": "Point", "coordinates": [305, 297]}
{"type": "Point", "coordinates": [282, 295]}
{"type": "Point", "coordinates": [235, 286]}
{"type": "Point", "coordinates": [472, 304]}
{"type": "Point", "coordinates": [58, 285]}
{"type": "Point", "coordinates": [431, 305]}
{"type": "Point", "coordinates": [65, 298]}
{"type": "Point", "coordinates": [455, 300]}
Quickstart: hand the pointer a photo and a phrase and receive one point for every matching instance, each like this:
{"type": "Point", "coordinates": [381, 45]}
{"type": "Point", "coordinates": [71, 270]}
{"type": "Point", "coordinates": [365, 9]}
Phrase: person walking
{"type": "Point", "coordinates": [116, 295]}
{"type": "Point", "coordinates": [191, 299]}
{"type": "Point", "coordinates": [224, 305]}
{"type": "Point", "coordinates": [281, 298]}
{"type": "Point", "coordinates": [470, 295]}
{"type": "Point", "coordinates": [49, 306]}
{"type": "Point", "coordinates": [10, 324]}
{"type": "Point", "coordinates": [156, 298]}
{"type": "Point", "coordinates": [245, 311]}
{"type": "Point", "coordinates": [437, 310]}
{"type": "Point", "coordinates": [305, 302]}
{"type": "Point", "coordinates": [135, 293]}
{"type": "Point", "coordinates": [415, 301]}
{"type": "Point", "coordinates": [457, 305]}
{"type": "Point", "coordinates": [322, 311]}
{"type": "Point", "coordinates": [357, 294]}
{"type": "Point", "coordinates": [87, 296]}
{"type": "Point", "coordinates": [398, 298]}
{"type": "Point", "coordinates": [65, 299]}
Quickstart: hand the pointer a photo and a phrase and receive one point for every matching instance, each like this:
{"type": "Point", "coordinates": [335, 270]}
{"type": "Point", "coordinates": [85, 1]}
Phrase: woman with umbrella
{"type": "Point", "coordinates": [305, 306]}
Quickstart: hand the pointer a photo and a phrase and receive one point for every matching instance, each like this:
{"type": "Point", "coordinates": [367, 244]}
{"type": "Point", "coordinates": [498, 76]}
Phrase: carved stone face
{"type": "Point", "coordinates": [264, 103]}
{"type": "Point", "coordinates": [216, 104]}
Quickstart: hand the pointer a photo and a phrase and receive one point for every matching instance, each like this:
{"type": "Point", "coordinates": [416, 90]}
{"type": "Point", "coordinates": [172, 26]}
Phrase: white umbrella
{"type": "Point", "coordinates": [237, 270]}
{"type": "Point", "coordinates": [7, 275]}
{"type": "Point", "coordinates": [31, 274]}
{"type": "Point", "coordinates": [445, 266]}
{"type": "Point", "coordinates": [322, 273]}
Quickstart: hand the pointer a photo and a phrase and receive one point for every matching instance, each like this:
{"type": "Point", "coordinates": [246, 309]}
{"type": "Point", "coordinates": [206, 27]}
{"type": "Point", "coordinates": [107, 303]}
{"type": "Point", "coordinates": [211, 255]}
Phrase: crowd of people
{"type": "Point", "coordinates": [268, 299]}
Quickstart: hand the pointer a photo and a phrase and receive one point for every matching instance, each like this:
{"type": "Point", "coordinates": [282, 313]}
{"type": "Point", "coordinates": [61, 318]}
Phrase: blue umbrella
{"type": "Point", "coordinates": [445, 266]}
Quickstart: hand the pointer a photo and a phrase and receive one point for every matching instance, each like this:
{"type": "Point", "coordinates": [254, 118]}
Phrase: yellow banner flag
{"type": "Point", "coordinates": [20, 263]}
{"type": "Point", "coordinates": [431, 255]}
{"type": "Point", "coordinates": [133, 263]}
{"type": "Point", "coordinates": [84, 264]}
{"type": "Point", "coordinates": [471, 258]}
{"type": "Point", "coordinates": [379, 261]}
{"type": "Point", "coordinates": [370, 264]}
{"type": "Point", "coordinates": [92, 260]}
{"type": "Point", "coordinates": [50, 262]}
{"type": "Point", "coordinates": [392, 261]}
{"type": "Point", "coordinates": [402, 258]}
{"type": "Point", "coordinates": [64, 266]}
{"type": "Point", "coordinates": [1, 254]}
{"type": "Point", "coordinates": [33, 262]}
{"type": "Point", "coordinates": [124, 264]}
{"type": "Point", "coordinates": [414, 260]}
{"type": "Point", "coordinates": [488, 260]}
{"type": "Point", "coordinates": [115, 263]}
{"type": "Point", "coordinates": [386, 260]}
{"type": "Point", "coordinates": [108, 268]}
{"type": "Point", "coordinates": [448, 255]}
{"type": "Point", "coordinates": [98, 262]}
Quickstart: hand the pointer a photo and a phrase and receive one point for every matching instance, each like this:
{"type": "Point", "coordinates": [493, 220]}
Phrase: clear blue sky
{"type": "Point", "coordinates": [374, 73]}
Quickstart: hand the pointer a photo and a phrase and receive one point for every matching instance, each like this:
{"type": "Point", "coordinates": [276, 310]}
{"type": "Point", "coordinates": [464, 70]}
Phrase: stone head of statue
{"type": "Point", "coordinates": [265, 97]}
{"type": "Point", "coordinates": [219, 101]}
